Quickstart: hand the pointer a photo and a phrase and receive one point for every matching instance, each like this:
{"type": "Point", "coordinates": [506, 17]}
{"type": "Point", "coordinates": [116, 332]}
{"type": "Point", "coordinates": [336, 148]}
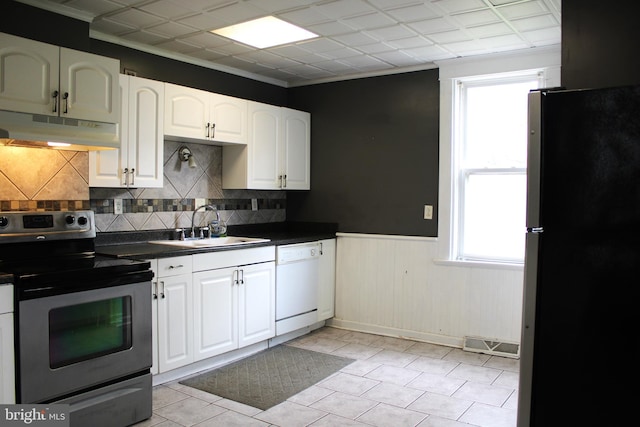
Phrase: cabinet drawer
{"type": "Point", "coordinates": [174, 266]}
{"type": "Point", "coordinates": [222, 259]}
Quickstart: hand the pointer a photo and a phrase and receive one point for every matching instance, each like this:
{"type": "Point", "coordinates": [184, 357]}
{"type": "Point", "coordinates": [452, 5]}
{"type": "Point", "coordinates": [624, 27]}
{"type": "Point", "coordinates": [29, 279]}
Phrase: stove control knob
{"type": "Point", "coordinates": [83, 220]}
{"type": "Point", "coordinates": [4, 221]}
{"type": "Point", "coordinates": [70, 219]}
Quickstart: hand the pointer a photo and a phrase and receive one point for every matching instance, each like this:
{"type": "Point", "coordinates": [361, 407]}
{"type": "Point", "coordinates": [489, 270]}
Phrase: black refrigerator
{"type": "Point", "coordinates": [580, 357]}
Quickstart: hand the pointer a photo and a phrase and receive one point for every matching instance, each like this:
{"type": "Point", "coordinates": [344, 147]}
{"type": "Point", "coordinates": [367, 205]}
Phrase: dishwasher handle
{"type": "Point", "coordinates": [287, 254]}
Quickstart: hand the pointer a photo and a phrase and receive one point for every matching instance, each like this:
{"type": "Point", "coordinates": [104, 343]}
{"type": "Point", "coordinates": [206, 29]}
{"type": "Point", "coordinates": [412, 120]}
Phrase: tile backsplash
{"type": "Point", "coordinates": [34, 179]}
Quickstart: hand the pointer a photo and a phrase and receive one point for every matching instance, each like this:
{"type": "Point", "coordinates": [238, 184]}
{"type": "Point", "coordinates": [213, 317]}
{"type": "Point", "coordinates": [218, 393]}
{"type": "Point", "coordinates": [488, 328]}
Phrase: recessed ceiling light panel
{"type": "Point", "coordinates": [265, 32]}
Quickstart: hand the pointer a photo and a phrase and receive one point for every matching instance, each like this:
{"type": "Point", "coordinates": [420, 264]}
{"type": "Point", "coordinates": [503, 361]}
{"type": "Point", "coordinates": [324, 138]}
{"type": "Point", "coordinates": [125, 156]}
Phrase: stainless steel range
{"type": "Point", "coordinates": [83, 322]}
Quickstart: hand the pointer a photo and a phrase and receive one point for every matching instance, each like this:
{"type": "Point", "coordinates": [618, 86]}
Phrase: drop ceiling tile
{"type": "Point", "coordinates": [490, 30]}
{"type": "Point", "coordinates": [466, 48]}
{"type": "Point", "coordinates": [308, 72]}
{"type": "Point", "coordinates": [204, 21]}
{"type": "Point", "coordinates": [135, 18]}
{"type": "Point", "coordinates": [409, 42]}
{"type": "Point", "coordinates": [362, 62]}
{"type": "Point", "coordinates": [375, 48]}
{"type": "Point", "coordinates": [397, 58]}
{"type": "Point", "coordinates": [319, 45]}
{"type": "Point", "coordinates": [279, 6]}
{"type": "Point", "coordinates": [333, 66]}
{"type": "Point", "coordinates": [508, 42]}
{"type": "Point", "coordinates": [204, 5]}
{"type": "Point", "coordinates": [413, 13]}
{"type": "Point", "coordinates": [522, 10]}
{"type": "Point", "coordinates": [392, 4]}
{"type": "Point", "coordinates": [449, 37]}
{"type": "Point", "coordinates": [232, 48]}
{"type": "Point", "coordinates": [393, 32]}
{"type": "Point", "coordinates": [206, 54]}
{"type": "Point", "coordinates": [340, 9]}
{"type": "Point", "coordinates": [369, 21]}
{"type": "Point", "coordinates": [305, 17]}
{"type": "Point", "coordinates": [430, 53]}
{"type": "Point", "coordinates": [170, 29]}
{"type": "Point", "coordinates": [455, 6]}
{"type": "Point", "coordinates": [355, 39]}
{"type": "Point", "coordinates": [340, 53]}
{"type": "Point", "coordinates": [167, 9]}
{"type": "Point", "coordinates": [479, 17]}
{"type": "Point", "coordinates": [534, 23]}
{"type": "Point", "coordinates": [237, 12]}
{"type": "Point", "coordinates": [430, 26]}
{"type": "Point", "coordinates": [330, 28]}
{"type": "Point", "coordinates": [544, 37]}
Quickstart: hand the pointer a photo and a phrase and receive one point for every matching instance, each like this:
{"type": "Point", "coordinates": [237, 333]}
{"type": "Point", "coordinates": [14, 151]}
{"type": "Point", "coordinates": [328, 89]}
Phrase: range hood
{"type": "Point", "coordinates": [40, 131]}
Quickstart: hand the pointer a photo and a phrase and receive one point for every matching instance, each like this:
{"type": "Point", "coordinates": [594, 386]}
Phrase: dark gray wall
{"type": "Point", "coordinates": [598, 43]}
{"type": "Point", "coordinates": [374, 154]}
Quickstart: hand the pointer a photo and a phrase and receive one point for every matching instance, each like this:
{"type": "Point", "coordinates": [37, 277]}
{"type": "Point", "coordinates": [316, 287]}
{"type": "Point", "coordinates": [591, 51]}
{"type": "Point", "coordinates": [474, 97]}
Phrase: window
{"type": "Point", "coordinates": [490, 155]}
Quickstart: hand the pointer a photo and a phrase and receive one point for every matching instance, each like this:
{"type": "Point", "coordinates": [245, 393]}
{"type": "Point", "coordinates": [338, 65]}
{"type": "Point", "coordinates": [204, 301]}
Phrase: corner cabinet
{"type": "Point", "coordinates": [40, 78]}
{"type": "Point", "coordinates": [277, 155]}
{"type": "Point", "coordinates": [139, 161]}
{"type": "Point", "coordinates": [199, 116]}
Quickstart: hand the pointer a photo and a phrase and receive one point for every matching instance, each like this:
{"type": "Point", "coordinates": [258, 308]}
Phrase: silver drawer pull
{"type": "Point", "coordinates": [171, 267]}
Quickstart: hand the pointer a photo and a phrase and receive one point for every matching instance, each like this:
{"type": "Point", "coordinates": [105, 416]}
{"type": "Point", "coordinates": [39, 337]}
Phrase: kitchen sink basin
{"type": "Point", "coordinates": [211, 242]}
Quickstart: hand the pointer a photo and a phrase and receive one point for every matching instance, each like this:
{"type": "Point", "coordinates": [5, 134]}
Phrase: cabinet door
{"type": "Point", "coordinates": [327, 279]}
{"type": "Point", "coordinates": [215, 312]}
{"type": "Point", "coordinates": [175, 322]}
{"type": "Point", "coordinates": [7, 366]}
{"type": "Point", "coordinates": [90, 85]}
{"type": "Point", "coordinates": [264, 146]}
{"type": "Point", "coordinates": [256, 296]}
{"type": "Point", "coordinates": [106, 167]}
{"type": "Point", "coordinates": [296, 150]}
{"type": "Point", "coordinates": [29, 75]}
{"type": "Point", "coordinates": [145, 136]}
{"type": "Point", "coordinates": [186, 112]}
{"type": "Point", "coordinates": [228, 117]}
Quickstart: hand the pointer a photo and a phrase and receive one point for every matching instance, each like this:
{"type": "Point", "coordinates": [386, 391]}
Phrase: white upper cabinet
{"type": "Point", "coordinates": [192, 114]}
{"type": "Point", "coordinates": [277, 156]}
{"type": "Point", "coordinates": [139, 161]}
{"type": "Point", "coordinates": [40, 78]}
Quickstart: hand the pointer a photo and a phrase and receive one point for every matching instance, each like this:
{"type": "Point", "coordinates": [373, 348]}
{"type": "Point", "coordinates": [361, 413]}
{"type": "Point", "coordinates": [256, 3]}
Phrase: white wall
{"type": "Point", "coordinates": [410, 286]}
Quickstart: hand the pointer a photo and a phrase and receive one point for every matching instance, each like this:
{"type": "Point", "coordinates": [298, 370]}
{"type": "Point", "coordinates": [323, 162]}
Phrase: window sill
{"type": "Point", "coordinates": [481, 264]}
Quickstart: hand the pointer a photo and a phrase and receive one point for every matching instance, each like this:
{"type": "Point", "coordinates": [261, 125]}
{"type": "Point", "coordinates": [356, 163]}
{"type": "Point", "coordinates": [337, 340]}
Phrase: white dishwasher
{"type": "Point", "coordinates": [296, 286]}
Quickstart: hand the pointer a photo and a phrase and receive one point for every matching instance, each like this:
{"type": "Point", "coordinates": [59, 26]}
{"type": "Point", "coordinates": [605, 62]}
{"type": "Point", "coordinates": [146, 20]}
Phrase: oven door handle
{"type": "Point", "coordinates": [162, 292]}
{"type": "Point", "coordinates": [155, 289]}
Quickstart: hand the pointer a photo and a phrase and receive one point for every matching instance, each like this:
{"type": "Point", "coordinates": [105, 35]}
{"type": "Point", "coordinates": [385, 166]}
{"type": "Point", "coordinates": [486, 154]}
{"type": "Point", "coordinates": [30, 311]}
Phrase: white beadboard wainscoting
{"type": "Point", "coordinates": [393, 285]}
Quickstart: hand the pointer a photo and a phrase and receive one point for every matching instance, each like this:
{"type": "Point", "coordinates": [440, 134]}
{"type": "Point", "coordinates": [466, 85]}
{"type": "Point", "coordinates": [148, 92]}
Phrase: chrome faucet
{"type": "Point", "coordinates": [193, 217]}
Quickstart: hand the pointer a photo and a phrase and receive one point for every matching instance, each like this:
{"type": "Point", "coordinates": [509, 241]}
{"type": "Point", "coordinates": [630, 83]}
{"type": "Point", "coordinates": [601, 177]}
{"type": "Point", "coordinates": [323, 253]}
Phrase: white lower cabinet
{"type": "Point", "coordinates": [172, 313]}
{"type": "Point", "coordinates": [7, 361]}
{"type": "Point", "coordinates": [211, 303]}
{"type": "Point", "coordinates": [326, 279]}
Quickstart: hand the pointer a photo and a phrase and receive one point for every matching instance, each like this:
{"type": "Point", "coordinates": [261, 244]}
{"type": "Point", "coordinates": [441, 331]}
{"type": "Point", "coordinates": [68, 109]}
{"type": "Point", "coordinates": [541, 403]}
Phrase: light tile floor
{"type": "Point", "coordinates": [393, 382]}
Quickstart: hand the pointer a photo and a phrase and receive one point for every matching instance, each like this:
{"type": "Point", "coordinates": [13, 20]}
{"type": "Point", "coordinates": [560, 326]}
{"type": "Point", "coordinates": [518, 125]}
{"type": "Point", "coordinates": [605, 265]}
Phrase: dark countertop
{"type": "Point", "coordinates": [135, 244]}
{"type": "Point", "coordinates": [6, 278]}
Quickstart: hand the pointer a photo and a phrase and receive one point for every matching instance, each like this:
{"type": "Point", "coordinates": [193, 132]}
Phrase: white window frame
{"type": "Point", "coordinates": [545, 60]}
{"type": "Point", "coordinates": [459, 139]}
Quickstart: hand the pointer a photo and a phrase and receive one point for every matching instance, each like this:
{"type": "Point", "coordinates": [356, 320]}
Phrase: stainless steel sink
{"type": "Point", "coordinates": [211, 242]}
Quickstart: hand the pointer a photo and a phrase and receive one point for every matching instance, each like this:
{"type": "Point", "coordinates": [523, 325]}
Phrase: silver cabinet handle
{"type": "Point", "coordinates": [171, 267]}
{"type": "Point", "coordinates": [155, 290]}
{"type": "Point", "coordinates": [241, 277]}
{"type": "Point", "coordinates": [125, 175]}
{"type": "Point", "coordinates": [55, 100]}
{"type": "Point", "coordinates": [66, 102]}
{"type": "Point", "coordinates": [213, 130]}
{"type": "Point", "coordinates": [133, 176]}
{"type": "Point", "coordinates": [284, 177]}
{"type": "Point", "coordinates": [207, 136]}
{"type": "Point", "coordinates": [162, 293]}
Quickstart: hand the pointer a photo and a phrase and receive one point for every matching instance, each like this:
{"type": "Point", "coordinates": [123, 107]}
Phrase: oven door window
{"type": "Point", "coordinates": [89, 330]}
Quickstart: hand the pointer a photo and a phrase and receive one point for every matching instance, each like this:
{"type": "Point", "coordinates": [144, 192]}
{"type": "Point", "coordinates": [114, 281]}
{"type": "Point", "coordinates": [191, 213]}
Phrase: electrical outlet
{"type": "Point", "coordinates": [200, 202]}
{"type": "Point", "coordinates": [428, 212]}
{"type": "Point", "coordinates": [117, 206]}
{"type": "Point", "coordinates": [254, 204]}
